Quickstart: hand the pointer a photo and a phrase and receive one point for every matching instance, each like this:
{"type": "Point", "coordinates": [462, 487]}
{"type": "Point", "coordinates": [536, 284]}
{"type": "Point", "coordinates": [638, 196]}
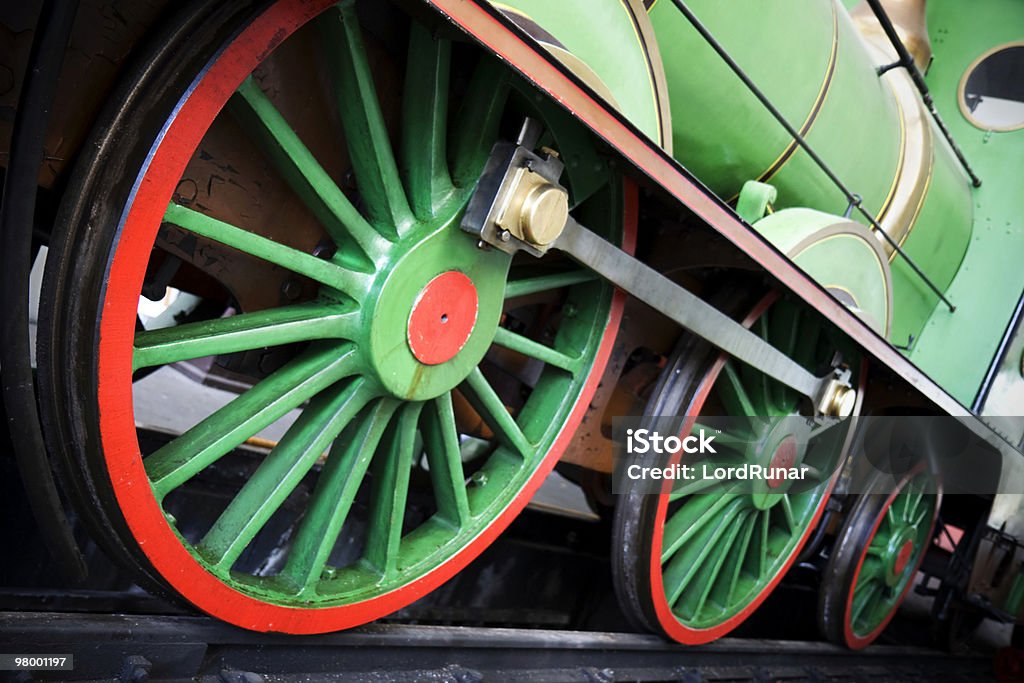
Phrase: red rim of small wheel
{"type": "Point", "coordinates": [853, 641]}
{"type": "Point", "coordinates": [666, 619]}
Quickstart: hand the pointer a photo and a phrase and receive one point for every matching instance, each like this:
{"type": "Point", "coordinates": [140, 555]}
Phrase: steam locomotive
{"type": "Point", "coordinates": [424, 253]}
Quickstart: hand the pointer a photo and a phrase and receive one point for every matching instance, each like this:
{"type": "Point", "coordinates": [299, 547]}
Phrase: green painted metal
{"type": "Point", "coordinates": [285, 325]}
{"type": "Point", "coordinates": [722, 549]}
{"type": "Point", "coordinates": [389, 304]}
{"type": "Point", "coordinates": [370, 413]}
{"type": "Point", "coordinates": [542, 283]}
{"type": "Point", "coordinates": [226, 429]}
{"type": "Point", "coordinates": [956, 349]}
{"type": "Point", "coordinates": [424, 138]}
{"type": "Point", "coordinates": [528, 347]}
{"type": "Point", "coordinates": [938, 242]}
{"type": "Point", "coordinates": [842, 256]}
{"type": "Point", "coordinates": [278, 475]}
{"type": "Point", "coordinates": [304, 173]}
{"type": "Point", "coordinates": [1015, 598]}
{"type": "Point", "coordinates": [853, 118]}
{"type": "Point", "coordinates": [619, 57]}
{"type": "Point", "coordinates": [726, 137]}
{"type": "Point", "coordinates": [756, 200]}
{"type": "Point", "coordinates": [369, 144]}
{"type": "Point", "coordinates": [332, 275]}
{"type": "Point", "coordinates": [880, 584]}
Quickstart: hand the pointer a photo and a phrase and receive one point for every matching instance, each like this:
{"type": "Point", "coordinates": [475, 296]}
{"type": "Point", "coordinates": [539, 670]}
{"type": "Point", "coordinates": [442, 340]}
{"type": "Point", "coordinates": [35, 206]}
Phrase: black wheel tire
{"type": "Point", "coordinates": [86, 226]}
{"type": "Point", "coordinates": [842, 569]}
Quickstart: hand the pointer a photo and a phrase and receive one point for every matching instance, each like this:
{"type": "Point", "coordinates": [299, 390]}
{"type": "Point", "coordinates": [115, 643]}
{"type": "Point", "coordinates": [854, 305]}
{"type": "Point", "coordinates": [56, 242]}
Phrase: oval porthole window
{"type": "Point", "coordinates": [992, 89]}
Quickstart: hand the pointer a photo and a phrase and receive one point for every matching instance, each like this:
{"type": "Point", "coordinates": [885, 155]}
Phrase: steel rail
{"type": "Point", "coordinates": [853, 198]}
{"type": "Point", "coordinates": [142, 647]}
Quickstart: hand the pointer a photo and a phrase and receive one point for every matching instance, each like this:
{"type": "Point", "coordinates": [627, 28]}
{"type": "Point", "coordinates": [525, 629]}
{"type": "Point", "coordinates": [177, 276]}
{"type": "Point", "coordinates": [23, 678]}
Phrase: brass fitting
{"type": "Point", "coordinates": [534, 209]}
{"type": "Point", "coordinates": [838, 400]}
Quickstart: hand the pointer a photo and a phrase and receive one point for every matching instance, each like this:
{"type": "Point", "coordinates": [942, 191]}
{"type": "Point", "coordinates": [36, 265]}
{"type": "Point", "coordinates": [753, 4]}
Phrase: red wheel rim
{"type": "Point", "coordinates": [664, 615]}
{"type": "Point", "coordinates": [853, 641]}
{"type": "Point", "coordinates": [137, 232]}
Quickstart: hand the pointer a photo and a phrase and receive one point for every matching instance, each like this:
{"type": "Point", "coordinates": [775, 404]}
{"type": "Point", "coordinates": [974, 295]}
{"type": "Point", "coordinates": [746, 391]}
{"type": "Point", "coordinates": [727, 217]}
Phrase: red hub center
{"type": "Point", "coordinates": [903, 557]}
{"type": "Point", "coordinates": [784, 458]}
{"type": "Point", "coordinates": [442, 318]}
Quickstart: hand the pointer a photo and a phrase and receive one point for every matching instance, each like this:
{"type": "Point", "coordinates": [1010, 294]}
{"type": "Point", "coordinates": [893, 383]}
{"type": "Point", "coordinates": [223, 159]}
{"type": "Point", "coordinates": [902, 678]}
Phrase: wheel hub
{"type": "Point", "coordinates": [442, 318]}
{"type": "Point", "coordinates": [784, 447]}
{"type": "Point", "coordinates": [785, 457]}
{"type": "Point", "coordinates": [903, 557]}
{"type": "Point", "coordinates": [898, 553]}
{"type": "Point", "coordinates": [432, 312]}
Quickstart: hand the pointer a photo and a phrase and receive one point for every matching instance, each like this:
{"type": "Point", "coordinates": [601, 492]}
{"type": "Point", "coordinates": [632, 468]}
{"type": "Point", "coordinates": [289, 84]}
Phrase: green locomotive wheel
{"type": "Point", "coordinates": [694, 561]}
{"type": "Point", "coordinates": [875, 559]}
{"type": "Point", "coordinates": [437, 381]}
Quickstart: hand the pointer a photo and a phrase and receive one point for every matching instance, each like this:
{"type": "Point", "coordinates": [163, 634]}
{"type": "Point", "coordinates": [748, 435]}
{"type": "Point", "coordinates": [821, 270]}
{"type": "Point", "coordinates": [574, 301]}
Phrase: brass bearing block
{"type": "Point", "coordinates": [837, 400]}
{"type": "Point", "coordinates": [533, 209]}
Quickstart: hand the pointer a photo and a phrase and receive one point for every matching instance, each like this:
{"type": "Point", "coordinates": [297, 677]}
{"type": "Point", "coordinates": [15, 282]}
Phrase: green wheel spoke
{"type": "Point", "coordinates": [920, 517]}
{"type": "Point", "coordinates": [425, 122]}
{"type": "Point", "coordinates": [278, 475]}
{"type": "Point", "coordinates": [736, 559]}
{"type": "Point", "coordinates": [734, 395]}
{"type": "Point", "coordinates": [693, 487]}
{"type": "Point", "coordinates": [478, 119]}
{"type": "Point", "coordinates": [274, 327]}
{"type": "Point", "coordinates": [325, 272]}
{"type": "Point", "coordinates": [490, 407]}
{"type": "Point", "coordinates": [686, 566]}
{"type": "Point", "coordinates": [302, 171]}
{"type": "Point", "coordinates": [738, 441]}
{"type": "Point", "coordinates": [722, 551]}
{"type": "Point", "coordinates": [366, 132]}
{"type": "Point", "coordinates": [758, 384]}
{"type": "Point", "coordinates": [863, 598]}
{"type": "Point", "coordinates": [812, 473]}
{"type": "Point", "coordinates": [871, 570]}
{"type": "Point", "coordinates": [914, 498]}
{"type": "Point", "coordinates": [685, 488]}
{"type": "Point", "coordinates": [444, 457]}
{"type": "Point", "coordinates": [391, 470]}
{"type": "Point", "coordinates": [787, 513]}
{"type": "Point", "coordinates": [762, 547]}
{"type": "Point", "coordinates": [807, 340]}
{"type": "Point", "coordinates": [332, 498]}
{"type": "Point", "coordinates": [287, 388]}
{"type": "Point", "coordinates": [689, 519]}
{"type": "Point", "coordinates": [544, 283]}
{"type": "Point", "coordinates": [520, 344]}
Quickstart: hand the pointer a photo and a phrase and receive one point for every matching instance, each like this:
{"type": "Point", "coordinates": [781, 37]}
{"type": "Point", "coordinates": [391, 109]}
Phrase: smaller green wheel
{"type": "Point", "coordinates": [696, 557]}
{"type": "Point", "coordinates": [876, 556]}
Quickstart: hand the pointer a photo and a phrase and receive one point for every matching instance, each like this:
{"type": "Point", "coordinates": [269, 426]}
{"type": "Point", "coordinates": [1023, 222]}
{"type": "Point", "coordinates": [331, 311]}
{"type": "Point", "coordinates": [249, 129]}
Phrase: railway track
{"type": "Point", "coordinates": [172, 648]}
